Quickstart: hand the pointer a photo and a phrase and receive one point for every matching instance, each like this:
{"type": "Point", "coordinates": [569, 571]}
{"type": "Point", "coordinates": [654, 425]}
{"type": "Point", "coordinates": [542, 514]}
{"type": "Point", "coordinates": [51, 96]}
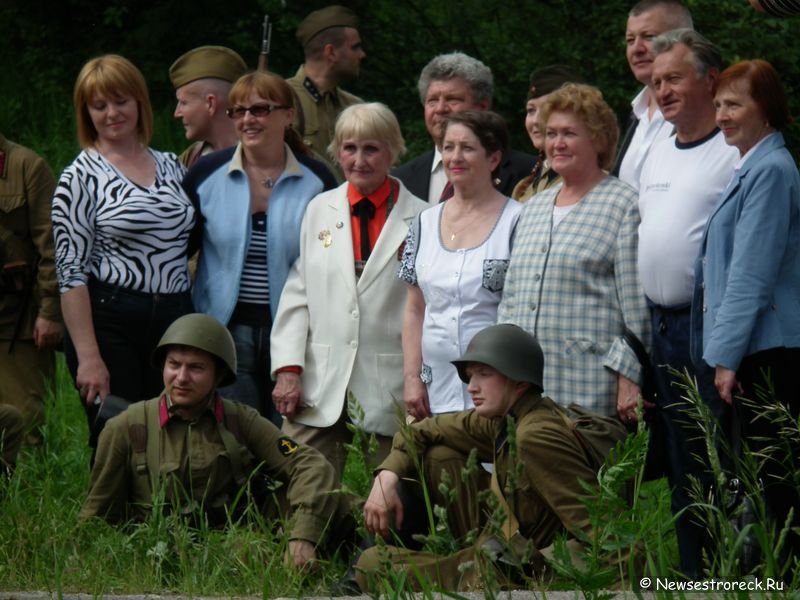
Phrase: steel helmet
{"type": "Point", "coordinates": [508, 349]}
{"type": "Point", "coordinates": [203, 332]}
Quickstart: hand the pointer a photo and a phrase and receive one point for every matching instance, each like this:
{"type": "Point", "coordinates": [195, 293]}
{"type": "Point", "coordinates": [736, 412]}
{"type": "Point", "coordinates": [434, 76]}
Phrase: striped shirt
{"type": "Point", "coordinates": [254, 286]}
{"type": "Point", "coordinates": [107, 227]}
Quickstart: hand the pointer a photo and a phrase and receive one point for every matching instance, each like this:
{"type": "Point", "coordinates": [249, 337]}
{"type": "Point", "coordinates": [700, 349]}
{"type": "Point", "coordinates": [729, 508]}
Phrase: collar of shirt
{"type": "Point", "coordinates": [292, 168]}
{"type": "Point", "coordinates": [379, 199]}
{"type": "Point", "coordinates": [438, 179]}
{"type": "Point", "coordinates": [640, 105]}
{"type": "Point", "coordinates": [166, 409]}
{"type": "Point", "coordinates": [750, 152]}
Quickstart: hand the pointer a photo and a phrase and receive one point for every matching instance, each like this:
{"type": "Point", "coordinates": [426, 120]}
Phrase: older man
{"type": "Point", "coordinates": [453, 83]}
{"type": "Point", "coordinates": [210, 454]}
{"type": "Point", "coordinates": [202, 79]}
{"type": "Point", "coordinates": [646, 124]}
{"type": "Point", "coordinates": [333, 54]}
{"type": "Point", "coordinates": [681, 181]}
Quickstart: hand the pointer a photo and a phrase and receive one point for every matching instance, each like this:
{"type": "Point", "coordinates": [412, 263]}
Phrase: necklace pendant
{"type": "Point", "coordinates": [268, 183]}
{"type": "Point", "coordinates": [452, 236]}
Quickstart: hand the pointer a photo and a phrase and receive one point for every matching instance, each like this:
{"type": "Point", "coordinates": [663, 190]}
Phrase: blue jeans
{"type": "Point", "coordinates": [253, 385]}
{"type": "Point", "coordinates": [686, 451]}
{"type": "Point", "coordinates": [128, 326]}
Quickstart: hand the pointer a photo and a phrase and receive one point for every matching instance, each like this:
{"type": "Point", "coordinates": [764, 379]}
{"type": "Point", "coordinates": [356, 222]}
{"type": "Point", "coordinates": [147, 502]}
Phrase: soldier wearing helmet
{"type": "Point", "coordinates": [201, 450]}
{"type": "Point", "coordinates": [536, 476]}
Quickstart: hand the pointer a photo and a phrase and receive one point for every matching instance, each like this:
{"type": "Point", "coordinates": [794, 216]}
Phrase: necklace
{"type": "Point", "coordinates": [454, 233]}
{"type": "Point", "coordinates": [263, 177]}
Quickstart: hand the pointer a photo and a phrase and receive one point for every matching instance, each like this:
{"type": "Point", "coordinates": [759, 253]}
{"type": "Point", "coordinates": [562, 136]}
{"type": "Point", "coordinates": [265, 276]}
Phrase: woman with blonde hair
{"type": "Point", "coordinates": [250, 201]}
{"type": "Point", "coordinates": [573, 280]}
{"type": "Point", "coordinates": [340, 318]}
{"type": "Point", "coordinates": [121, 224]}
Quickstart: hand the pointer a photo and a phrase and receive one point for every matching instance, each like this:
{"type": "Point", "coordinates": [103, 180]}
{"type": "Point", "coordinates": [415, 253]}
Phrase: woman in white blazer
{"type": "Point", "coordinates": [339, 320]}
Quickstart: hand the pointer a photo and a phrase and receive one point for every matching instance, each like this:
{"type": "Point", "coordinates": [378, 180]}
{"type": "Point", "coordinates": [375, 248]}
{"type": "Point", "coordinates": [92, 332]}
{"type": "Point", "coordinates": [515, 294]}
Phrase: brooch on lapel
{"type": "Point", "coordinates": [326, 237]}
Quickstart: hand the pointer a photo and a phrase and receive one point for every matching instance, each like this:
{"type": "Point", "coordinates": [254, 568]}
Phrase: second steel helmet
{"type": "Point", "coordinates": [508, 349]}
{"type": "Point", "coordinates": [203, 332]}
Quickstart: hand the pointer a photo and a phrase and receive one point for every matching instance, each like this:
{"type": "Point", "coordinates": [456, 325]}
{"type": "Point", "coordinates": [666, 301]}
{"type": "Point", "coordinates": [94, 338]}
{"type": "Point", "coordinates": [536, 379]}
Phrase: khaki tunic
{"type": "Point", "coordinates": [531, 185]}
{"type": "Point", "coordinates": [315, 116]}
{"type": "Point", "coordinates": [194, 454]}
{"type": "Point", "coordinates": [545, 498]}
{"type": "Point", "coordinates": [26, 193]}
{"type": "Point", "coordinates": [190, 156]}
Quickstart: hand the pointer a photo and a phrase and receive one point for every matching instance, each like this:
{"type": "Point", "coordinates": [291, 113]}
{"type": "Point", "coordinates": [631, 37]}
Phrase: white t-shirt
{"type": "Point", "coordinates": [679, 187]}
{"type": "Point", "coordinates": [649, 131]}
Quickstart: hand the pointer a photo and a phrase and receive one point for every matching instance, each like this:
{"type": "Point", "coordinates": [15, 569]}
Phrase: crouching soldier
{"type": "Point", "coordinates": [539, 463]}
{"type": "Point", "coordinates": [201, 450]}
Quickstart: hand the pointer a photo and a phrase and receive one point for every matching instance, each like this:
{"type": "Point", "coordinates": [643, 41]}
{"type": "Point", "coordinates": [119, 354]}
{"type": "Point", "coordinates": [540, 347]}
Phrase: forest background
{"type": "Point", "coordinates": [43, 45]}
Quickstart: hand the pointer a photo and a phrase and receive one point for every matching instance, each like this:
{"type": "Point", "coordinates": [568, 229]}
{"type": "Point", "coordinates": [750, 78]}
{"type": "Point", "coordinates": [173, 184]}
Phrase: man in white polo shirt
{"type": "Point", "coordinates": [646, 124]}
{"type": "Point", "coordinates": [682, 178]}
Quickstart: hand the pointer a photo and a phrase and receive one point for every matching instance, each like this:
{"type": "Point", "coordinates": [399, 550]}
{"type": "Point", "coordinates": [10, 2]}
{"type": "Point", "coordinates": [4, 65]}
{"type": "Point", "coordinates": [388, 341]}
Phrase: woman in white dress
{"type": "Point", "coordinates": [455, 260]}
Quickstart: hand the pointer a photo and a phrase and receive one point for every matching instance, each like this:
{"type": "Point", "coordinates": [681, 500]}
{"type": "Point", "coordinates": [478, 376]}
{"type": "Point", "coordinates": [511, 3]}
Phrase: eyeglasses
{"type": "Point", "coordinates": [257, 110]}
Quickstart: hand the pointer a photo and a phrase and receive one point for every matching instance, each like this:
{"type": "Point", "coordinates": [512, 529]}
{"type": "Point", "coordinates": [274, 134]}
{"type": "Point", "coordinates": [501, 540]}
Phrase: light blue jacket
{"type": "Point", "coordinates": [219, 187]}
{"type": "Point", "coordinates": [747, 294]}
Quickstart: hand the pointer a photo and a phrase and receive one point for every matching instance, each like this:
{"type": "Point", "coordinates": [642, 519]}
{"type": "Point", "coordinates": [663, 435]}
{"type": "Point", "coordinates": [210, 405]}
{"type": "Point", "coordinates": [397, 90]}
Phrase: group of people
{"type": "Point", "coordinates": [286, 262]}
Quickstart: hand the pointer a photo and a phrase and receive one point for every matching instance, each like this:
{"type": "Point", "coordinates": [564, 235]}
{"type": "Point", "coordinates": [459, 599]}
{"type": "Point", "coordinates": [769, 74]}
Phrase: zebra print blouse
{"type": "Point", "coordinates": [121, 233]}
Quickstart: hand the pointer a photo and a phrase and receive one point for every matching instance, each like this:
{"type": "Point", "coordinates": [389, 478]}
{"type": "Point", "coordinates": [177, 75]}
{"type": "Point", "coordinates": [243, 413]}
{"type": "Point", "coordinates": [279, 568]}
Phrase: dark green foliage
{"type": "Point", "coordinates": [45, 44]}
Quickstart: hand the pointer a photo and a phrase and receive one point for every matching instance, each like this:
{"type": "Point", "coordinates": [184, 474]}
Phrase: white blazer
{"type": "Point", "coordinates": [344, 333]}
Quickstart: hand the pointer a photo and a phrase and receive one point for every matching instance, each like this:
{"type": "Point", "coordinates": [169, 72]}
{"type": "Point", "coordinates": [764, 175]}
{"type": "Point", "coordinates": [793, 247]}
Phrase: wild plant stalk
{"type": "Point", "coordinates": [735, 472]}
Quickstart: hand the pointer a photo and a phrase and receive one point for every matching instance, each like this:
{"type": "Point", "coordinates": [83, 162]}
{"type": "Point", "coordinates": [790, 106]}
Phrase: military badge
{"type": "Point", "coordinates": [326, 237]}
{"type": "Point", "coordinates": [287, 446]}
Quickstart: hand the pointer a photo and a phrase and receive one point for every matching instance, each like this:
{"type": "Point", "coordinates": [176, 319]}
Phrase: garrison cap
{"type": "Point", "coordinates": [547, 80]}
{"type": "Point", "coordinates": [206, 62]}
{"type": "Point", "coordinates": [325, 18]}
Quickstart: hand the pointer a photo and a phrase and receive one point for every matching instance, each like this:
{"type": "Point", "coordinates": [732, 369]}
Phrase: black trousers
{"type": "Point", "coordinates": [128, 326]}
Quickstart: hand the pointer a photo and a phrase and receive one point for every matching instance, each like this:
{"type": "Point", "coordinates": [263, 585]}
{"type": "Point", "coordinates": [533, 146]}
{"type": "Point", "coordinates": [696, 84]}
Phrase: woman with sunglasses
{"type": "Point", "coordinates": [250, 201]}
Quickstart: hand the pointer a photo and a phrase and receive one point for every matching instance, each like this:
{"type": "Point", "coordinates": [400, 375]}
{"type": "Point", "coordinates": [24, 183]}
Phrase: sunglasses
{"type": "Point", "coordinates": [257, 110]}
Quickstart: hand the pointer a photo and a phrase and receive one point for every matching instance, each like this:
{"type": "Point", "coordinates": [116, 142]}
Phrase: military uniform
{"type": "Point", "coordinates": [316, 113]}
{"type": "Point", "coordinates": [189, 156]}
{"type": "Point", "coordinates": [28, 288]}
{"type": "Point", "coordinates": [198, 468]}
{"type": "Point", "coordinates": [545, 498]}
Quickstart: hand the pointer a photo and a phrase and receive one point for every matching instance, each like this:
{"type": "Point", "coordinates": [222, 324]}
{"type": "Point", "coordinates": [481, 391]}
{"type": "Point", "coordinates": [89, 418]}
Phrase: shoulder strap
{"type": "Point", "coordinates": [510, 526]}
{"type": "Point", "coordinates": [137, 432]}
{"type": "Point", "coordinates": [637, 346]}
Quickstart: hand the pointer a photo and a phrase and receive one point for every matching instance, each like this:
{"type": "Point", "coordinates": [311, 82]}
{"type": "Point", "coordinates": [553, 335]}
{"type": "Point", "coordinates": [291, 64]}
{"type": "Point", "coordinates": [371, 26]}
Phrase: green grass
{"type": "Point", "coordinates": [43, 545]}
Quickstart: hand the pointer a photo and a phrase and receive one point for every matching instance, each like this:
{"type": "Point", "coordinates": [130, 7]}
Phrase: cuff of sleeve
{"type": "Point", "coordinates": [50, 309]}
{"type": "Point", "coordinates": [309, 527]}
{"type": "Point", "coordinates": [622, 359]}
